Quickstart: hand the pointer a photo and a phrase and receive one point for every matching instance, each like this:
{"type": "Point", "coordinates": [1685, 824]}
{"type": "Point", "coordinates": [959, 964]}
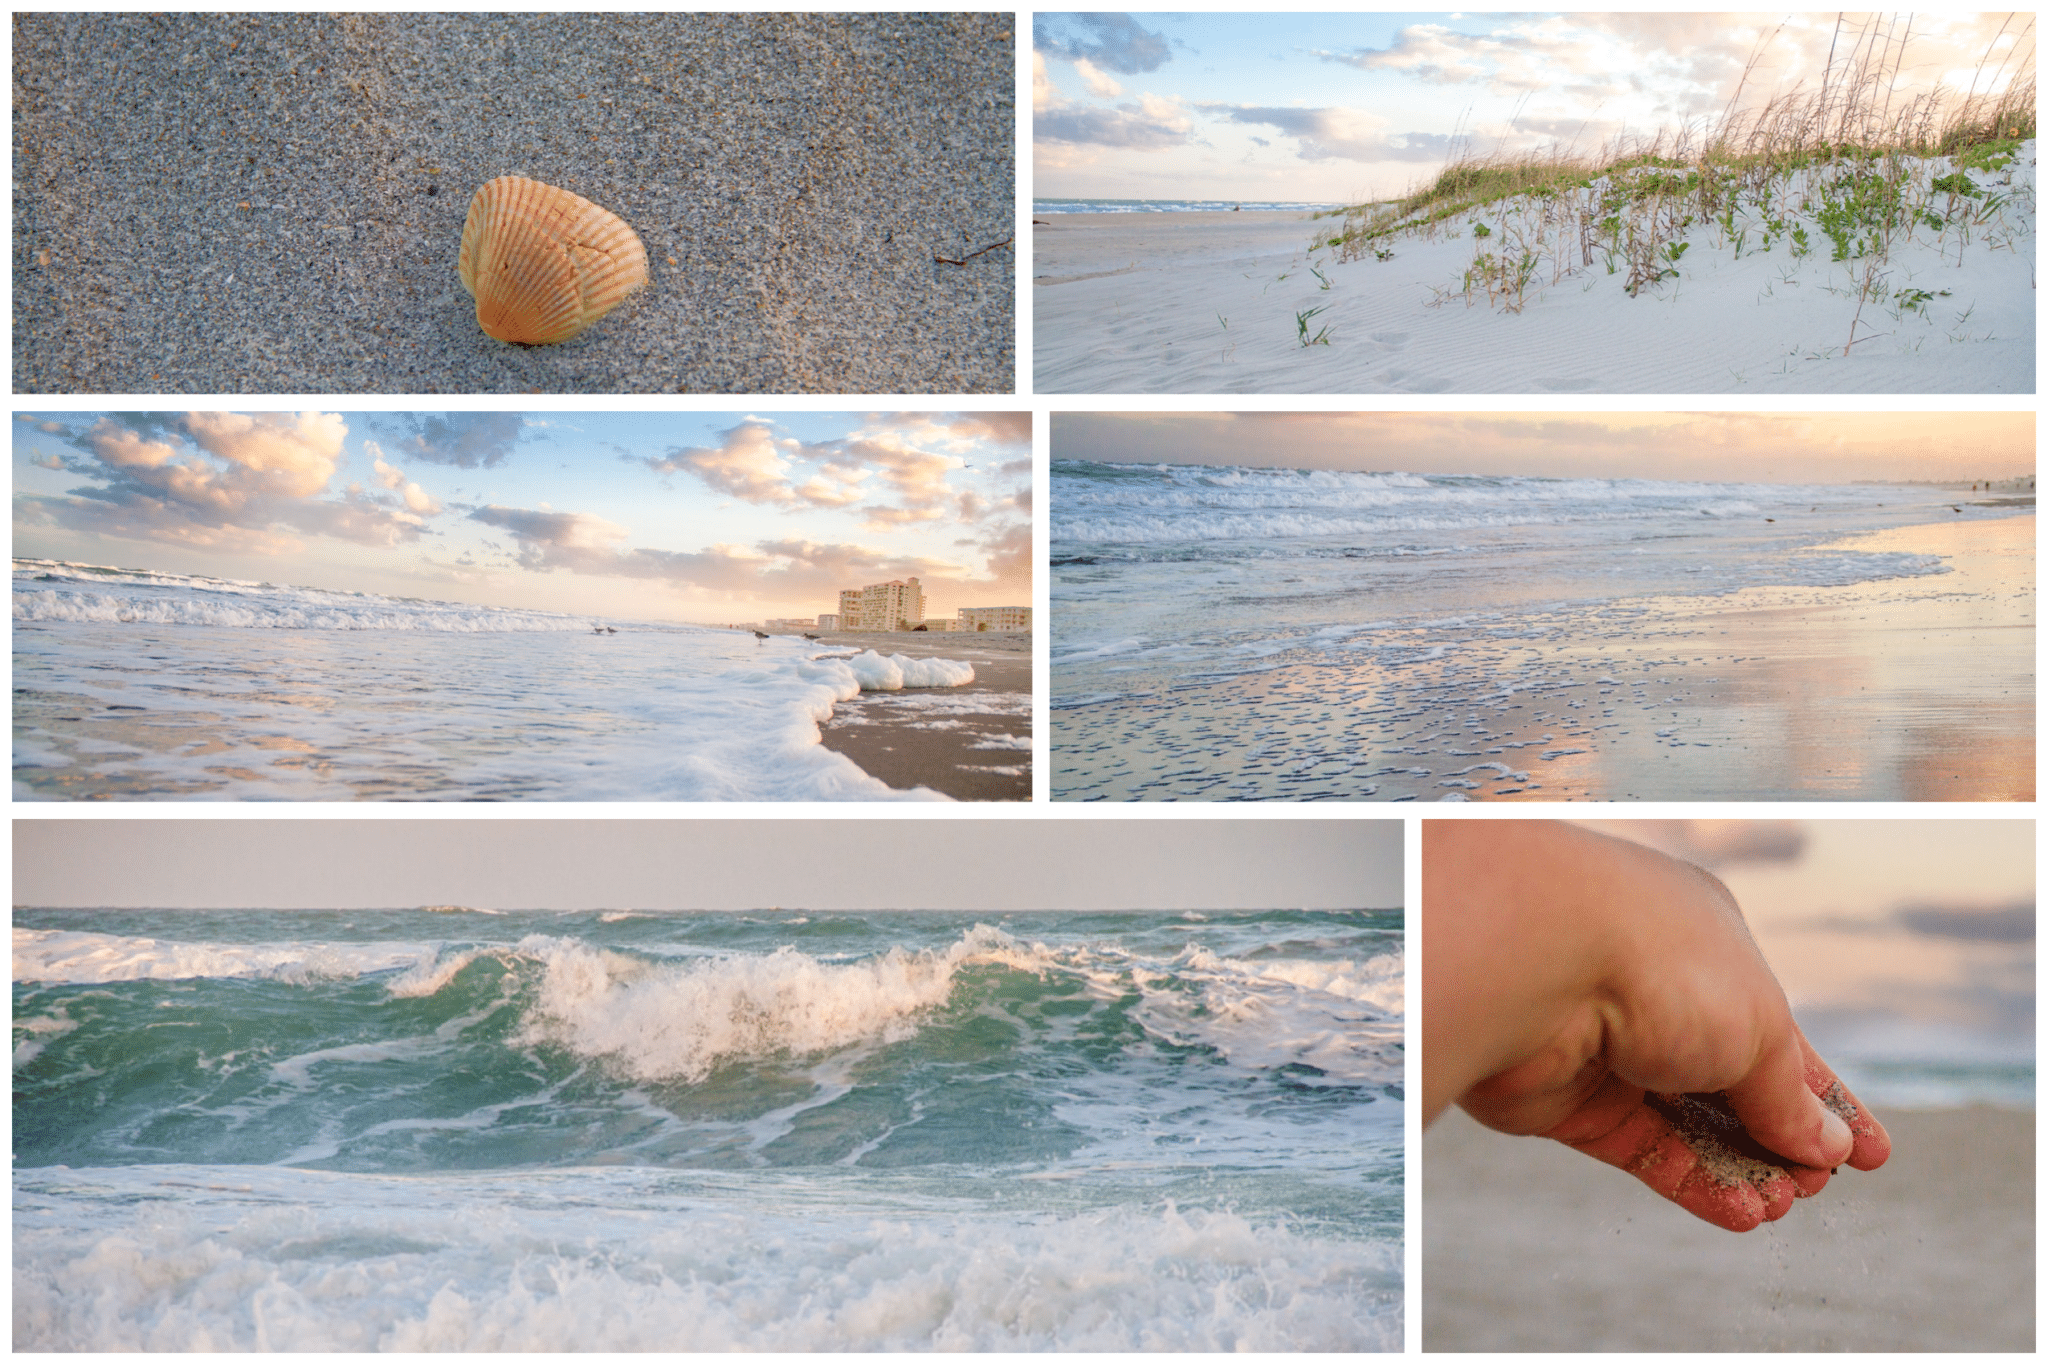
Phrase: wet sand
{"type": "Point", "coordinates": [1528, 1246]}
{"type": "Point", "coordinates": [1916, 689]}
{"type": "Point", "coordinates": [971, 743]}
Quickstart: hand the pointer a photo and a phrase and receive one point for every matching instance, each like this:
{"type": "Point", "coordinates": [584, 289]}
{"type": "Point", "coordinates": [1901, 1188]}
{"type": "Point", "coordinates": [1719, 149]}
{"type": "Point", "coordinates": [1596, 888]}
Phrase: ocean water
{"type": "Point", "coordinates": [135, 684]}
{"type": "Point", "coordinates": [458, 1129]}
{"type": "Point", "coordinates": [1230, 633]}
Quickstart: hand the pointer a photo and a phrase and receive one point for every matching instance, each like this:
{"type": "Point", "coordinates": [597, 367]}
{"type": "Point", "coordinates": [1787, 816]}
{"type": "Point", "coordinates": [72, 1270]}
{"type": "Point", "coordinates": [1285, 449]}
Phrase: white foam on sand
{"type": "Point", "coordinates": [1214, 307]}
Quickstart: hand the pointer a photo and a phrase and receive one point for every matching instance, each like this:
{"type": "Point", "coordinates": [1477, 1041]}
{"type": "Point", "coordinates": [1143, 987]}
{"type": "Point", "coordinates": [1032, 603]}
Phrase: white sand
{"type": "Point", "coordinates": [1208, 302]}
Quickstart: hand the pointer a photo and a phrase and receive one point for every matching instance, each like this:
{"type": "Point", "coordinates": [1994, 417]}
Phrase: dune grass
{"type": "Point", "coordinates": [1846, 172]}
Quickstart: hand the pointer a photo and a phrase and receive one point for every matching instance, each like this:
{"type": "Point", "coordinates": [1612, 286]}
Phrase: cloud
{"type": "Point", "coordinates": [1114, 41]}
{"type": "Point", "coordinates": [1098, 83]}
{"type": "Point", "coordinates": [1339, 133]}
{"type": "Point", "coordinates": [2007, 924]}
{"type": "Point", "coordinates": [751, 463]}
{"type": "Point", "coordinates": [467, 440]}
{"type": "Point", "coordinates": [577, 542]}
{"type": "Point", "coordinates": [895, 470]}
{"type": "Point", "coordinates": [555, 540]}
{"type": "Point", "coordinates": [239, 482]}
{"type": "Point", "coordinates": [416, 498]}
{"type": "Point", "coordinates": [1149, 125]}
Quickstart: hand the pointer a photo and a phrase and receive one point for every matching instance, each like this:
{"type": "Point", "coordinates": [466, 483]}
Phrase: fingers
{"type": "Point", "coordinates": [1685, 1162]}
{"type": "Point", "coordinates": [1793, 1103]}
{"type": "Point", "coordinates": [1783, 1112]}
{"type": "Point", "coordinates": [1873, 1145]}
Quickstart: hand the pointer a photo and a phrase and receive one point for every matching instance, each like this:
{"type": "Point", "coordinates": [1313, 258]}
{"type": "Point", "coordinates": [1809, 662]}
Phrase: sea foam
{"type": "Point", "coordinates": [608, 1261]}
{"type": "Point", "coordinates": [670, 1021]}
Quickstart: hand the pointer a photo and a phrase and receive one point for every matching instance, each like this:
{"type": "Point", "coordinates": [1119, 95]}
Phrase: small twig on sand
{"type": "Point", "coordinates": [948, 260]}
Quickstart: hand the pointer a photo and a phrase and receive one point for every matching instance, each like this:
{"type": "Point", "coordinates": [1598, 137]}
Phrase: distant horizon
{"type": "Point", "coordinates": [692, 518]}
{"type": "Point", "coordinates": [1791, 448]}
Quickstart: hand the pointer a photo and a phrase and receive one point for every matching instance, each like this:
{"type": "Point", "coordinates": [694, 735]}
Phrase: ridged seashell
{"type": "Point", "coordinates": [542, 263]}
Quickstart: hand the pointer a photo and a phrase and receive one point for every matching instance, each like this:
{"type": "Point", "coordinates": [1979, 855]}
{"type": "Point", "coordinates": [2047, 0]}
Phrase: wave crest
{"type": "Point", "coordinates": [678, 1021]}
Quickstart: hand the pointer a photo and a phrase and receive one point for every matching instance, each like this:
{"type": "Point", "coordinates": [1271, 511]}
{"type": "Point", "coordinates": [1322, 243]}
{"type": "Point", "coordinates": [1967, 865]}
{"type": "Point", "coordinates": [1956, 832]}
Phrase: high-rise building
{"type": "Point", "coordinates": [895, 605]}
{"type": "Point", "coordinates": [995, 619]}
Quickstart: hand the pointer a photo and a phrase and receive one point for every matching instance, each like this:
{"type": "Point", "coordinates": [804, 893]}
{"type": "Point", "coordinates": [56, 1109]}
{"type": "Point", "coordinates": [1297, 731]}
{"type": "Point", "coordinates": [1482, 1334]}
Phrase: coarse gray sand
{"type": "Point", "coordinates": [265, 203]}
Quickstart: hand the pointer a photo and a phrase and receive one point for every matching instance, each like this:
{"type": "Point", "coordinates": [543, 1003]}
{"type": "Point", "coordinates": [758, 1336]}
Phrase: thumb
{"type": "Point", "coordinates": [1780, 1112]}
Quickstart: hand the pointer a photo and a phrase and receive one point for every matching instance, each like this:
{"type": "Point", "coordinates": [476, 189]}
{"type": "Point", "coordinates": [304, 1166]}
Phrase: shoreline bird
{"type": "Point", "coordinates": [760, 635]}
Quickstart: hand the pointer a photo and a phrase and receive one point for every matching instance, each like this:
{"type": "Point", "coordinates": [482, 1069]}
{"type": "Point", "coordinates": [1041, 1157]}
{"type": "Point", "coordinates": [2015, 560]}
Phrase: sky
{"type": "Point", "coordinates": [703, 517]}
{"type": "Point", "coordinates": [1740, 447]}
{"type": "Point", "coordinates": [848, 864]}
{"type": "Point", "coordinates": [1930, 921]}
{"type": "Point", "coordinates": [1342, 108]}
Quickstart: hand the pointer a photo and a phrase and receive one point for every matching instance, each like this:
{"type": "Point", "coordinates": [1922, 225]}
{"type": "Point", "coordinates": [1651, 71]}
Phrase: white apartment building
{"type": "Point", "coordinates": [895, 605]}
{"type": "Point", "coordinates": [828, 621]}
{"type": "Point", "coordinates": [994, 619]}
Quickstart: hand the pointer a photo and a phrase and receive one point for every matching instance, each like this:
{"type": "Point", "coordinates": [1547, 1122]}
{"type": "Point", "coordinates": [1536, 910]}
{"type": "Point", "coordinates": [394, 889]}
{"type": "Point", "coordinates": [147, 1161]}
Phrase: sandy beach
{"type": "Point", "coordinates": [1903, 689]}
{"type": "Point", "coordinates": [972, 743]}
{"type": "Point", "coordinates": [1214, 302]}
{"type": "Point", "coordinates": [1528, 1246]}
{"type": "Point", "coordinates": [270, 203]}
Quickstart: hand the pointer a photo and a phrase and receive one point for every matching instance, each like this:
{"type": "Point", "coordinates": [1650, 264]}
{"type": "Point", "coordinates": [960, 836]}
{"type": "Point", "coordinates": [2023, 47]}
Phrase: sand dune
{"type": "Point", "coordinates": [1220, 303]}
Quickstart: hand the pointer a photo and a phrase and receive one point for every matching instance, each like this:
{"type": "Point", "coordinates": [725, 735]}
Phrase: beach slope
{"type": "Point", "coordinates": [1218, 302]}
{"type": "Point", "coordinates": [1529, 1246]}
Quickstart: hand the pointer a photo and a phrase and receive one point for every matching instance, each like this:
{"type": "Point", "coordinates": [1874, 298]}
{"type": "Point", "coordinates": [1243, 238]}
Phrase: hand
{"type": "Point", "coordinates": [1579, 987]}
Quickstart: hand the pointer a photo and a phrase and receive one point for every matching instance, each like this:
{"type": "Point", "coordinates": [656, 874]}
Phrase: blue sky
{"type": "Point", "coordinates": [665, 516]}
{"type": "Point", "coordinates": [1346, 107]}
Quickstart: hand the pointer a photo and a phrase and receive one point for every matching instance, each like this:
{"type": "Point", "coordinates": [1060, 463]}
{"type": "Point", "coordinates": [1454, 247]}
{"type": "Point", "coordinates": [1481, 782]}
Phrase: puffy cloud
{"type": "Point", "coordinates": [1099, 84]}
{"type": "Point", "coordinates": [237, 482]}
{"type": "Point", "coordinates": [1115, 41]}
{"type": "Point", "coordinates": [467, 440]}
{"type": "Point", "coordinates": [275, 453]}
{"type": "Point", "coordinates": [910, 459]}
{"type": "Point", "coordinates": [751, 463]}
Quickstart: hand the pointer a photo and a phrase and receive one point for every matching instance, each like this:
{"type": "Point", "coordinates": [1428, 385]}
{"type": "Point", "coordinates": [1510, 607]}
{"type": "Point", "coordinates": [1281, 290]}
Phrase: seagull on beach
{"type": "Point", "coordinates": [760, 635]}
{"type": "Point", "coordinates": [809, 636]}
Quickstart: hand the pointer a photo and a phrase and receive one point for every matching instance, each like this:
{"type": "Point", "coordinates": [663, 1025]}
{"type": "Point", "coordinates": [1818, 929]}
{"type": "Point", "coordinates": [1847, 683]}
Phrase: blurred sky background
{"type": "Point", "coordinates": [1906, 947]}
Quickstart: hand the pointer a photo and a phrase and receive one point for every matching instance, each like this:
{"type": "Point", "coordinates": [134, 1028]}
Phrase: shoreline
{"type": "Point", "coordinates": [1529, 1246]}
{"type": "Point", "coordinates": [1881, 690]}
{"type": "Point", "coordinates": [958, 741]}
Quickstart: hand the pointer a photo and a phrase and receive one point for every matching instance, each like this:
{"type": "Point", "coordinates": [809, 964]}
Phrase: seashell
{"type": "Point", "coordinates": [542, 263]}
